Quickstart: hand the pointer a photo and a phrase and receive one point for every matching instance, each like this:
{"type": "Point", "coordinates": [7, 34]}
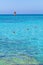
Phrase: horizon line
{"type": "Point", "coordinates": [21, 14]}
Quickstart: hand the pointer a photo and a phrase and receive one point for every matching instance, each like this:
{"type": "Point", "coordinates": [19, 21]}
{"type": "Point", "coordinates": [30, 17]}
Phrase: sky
{"type": "Point", "coordinates": [21, 6]}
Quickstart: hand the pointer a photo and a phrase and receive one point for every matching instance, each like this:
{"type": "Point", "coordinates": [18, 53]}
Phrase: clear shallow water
{"type": "Point", "coordinates": [20, 36]}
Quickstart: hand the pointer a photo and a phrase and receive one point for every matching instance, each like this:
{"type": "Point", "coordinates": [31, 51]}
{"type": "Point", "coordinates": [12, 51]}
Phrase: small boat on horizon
{"type": "Point", "coordinates": [14, 13]}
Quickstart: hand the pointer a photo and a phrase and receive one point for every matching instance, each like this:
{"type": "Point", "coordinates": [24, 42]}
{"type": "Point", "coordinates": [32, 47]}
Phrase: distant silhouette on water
{"type": "Point", "coordinates": [14, 13]}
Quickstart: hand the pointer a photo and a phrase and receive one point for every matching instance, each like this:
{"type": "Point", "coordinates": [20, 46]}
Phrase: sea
{"type": "Point", "coordinates": [21, 39]}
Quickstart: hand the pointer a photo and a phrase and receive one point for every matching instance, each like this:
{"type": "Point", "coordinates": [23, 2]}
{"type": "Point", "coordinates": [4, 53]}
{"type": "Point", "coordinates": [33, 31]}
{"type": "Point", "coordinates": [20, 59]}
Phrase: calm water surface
{"type": "Point", "coordinates": [20, 36]}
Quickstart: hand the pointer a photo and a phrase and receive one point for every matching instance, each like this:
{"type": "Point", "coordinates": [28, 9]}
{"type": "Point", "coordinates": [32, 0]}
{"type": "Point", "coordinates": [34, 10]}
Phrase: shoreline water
{"type": "Point", "coordinates": [27, 31]}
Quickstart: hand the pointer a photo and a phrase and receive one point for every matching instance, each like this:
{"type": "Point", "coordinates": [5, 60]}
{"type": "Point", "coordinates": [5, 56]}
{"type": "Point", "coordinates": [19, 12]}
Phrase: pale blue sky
{"type": "Point", "coordinates": [21, 6]}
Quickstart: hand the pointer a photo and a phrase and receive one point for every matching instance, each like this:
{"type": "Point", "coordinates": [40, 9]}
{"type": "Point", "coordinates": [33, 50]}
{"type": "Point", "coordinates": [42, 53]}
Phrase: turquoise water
{"type": "Point", "coordinates": [21, 35]}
